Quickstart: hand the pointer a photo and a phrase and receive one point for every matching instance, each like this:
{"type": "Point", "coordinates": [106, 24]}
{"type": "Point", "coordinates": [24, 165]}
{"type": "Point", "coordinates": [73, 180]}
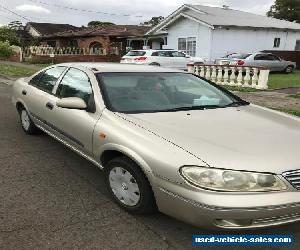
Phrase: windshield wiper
{"type": "Point", "coordinates": [236, 104]}
{"type": "Point", "coordinates": [202, 107]}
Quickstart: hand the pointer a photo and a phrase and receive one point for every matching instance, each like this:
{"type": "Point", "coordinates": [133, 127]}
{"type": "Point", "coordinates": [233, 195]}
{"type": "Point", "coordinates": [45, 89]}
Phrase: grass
{"type": "Point", "coordinates": [239, 89]}
{"type": "Point", "coordinates": [297, 95]}
{"type": "Point", "coordinates": [281, 80]}
{"type": "Point", "coordinates": [14, 71]}
{"type": "Point", "coordinates": [289, 111]}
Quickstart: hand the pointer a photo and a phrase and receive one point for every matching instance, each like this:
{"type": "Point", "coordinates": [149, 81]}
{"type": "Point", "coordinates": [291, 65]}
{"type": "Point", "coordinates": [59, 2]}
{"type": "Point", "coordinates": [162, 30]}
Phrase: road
{"type": "Point", "coordinates": [53, 199]}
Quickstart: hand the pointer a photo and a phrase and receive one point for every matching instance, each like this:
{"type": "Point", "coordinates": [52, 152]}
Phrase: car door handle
{"type": "Point", "coordinates": [49, 105]}
{"type": "Point", "coordinates": [24, 92]}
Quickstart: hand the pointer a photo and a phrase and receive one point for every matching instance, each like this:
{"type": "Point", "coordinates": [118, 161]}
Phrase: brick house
{"type": "Point", "coordinates": [109, 39]}
{"type": "Point", "coordinates": [41, 29]}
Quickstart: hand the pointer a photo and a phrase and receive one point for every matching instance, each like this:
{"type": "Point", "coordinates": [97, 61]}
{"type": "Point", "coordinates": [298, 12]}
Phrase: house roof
{"type": "Point", "coordinates": [112, 31]}
{"type": "Point", "coordinates": [50, 28]}
{"type": "Point", "coordinates": [214, 16]}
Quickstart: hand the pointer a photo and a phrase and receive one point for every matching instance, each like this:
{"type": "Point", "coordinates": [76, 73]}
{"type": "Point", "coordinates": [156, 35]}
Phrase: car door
{"type": "Point", "coordinates": [165, 59]}
{"type": "Point", "coordinates": [261, 60]}
{"type": "Point", "coordinates": [275, 63]}
{"type": "Point", "coordinates": [39, 92]}
{"type": "Point", "coordinates": [75, 126]}
{"type": "Point", "coordinates": [180, 60]}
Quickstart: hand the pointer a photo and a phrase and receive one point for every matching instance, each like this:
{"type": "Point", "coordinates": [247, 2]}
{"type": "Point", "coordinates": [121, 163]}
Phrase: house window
{"type": "Point", "coordinates": [73, 44]}
{"type": "Point", "coordinates": [96, 48]}
{"type": "Point", "coordinates": [187, 45]}
{"type": "Point", "coordinates": [297, 45]}
{"type": "Point", "coordinates": [51, 43]}
{"type": "Point", "coordinates": [276, 42]}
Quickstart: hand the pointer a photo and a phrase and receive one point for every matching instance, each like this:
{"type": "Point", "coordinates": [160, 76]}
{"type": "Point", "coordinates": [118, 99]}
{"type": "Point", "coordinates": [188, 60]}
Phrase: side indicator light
{"type": "Point", "coordinates": [102, 136]}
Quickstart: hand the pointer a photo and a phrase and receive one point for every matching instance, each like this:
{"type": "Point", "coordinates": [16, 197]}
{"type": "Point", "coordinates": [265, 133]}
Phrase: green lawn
{"type": "Point", "coordinates": [280, 80]}
{"type": "Point", "coordinates": [289, 111]}
{"type": "Point", "coordinates": [297, 95]}
{"type": "Point", "coordinates": [13, 71]}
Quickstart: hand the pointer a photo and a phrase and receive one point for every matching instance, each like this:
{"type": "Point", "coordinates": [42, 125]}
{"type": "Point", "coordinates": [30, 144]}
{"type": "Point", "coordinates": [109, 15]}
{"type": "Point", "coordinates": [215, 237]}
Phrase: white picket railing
{"type": "Point", "coordinates": [239, 76]}
{"type": "Point", "coordinates": [39, 50]}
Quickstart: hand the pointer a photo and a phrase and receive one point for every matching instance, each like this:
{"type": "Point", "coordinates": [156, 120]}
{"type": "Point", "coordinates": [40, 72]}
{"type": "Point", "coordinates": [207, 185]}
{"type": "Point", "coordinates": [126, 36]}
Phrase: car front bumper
{"type": "Point", "coordinates": [216, 210]}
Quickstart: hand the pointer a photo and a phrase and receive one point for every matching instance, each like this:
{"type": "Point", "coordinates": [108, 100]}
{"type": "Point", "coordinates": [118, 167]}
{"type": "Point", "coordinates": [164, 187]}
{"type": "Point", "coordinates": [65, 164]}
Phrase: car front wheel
{"type": "Point", "coordinates": [26, 122]}
{"type": "Point", "coordinates": [289, 69]}
{"type": "Point", "coordinates": [129, 186]}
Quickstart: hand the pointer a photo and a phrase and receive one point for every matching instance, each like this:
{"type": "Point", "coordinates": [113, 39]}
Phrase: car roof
{"type": "Point", "coordinates": [118, 67]}
{"type": "Point", "coordinates": [153, 50]}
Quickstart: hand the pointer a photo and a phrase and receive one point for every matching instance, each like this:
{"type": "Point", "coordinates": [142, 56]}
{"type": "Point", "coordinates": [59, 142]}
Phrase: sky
{"type": "Point", "coordinates": [80, 12]}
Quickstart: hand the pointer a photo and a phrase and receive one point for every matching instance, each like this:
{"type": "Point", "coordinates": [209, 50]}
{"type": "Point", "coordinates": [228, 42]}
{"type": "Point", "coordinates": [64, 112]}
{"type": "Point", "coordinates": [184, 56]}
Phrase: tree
{"type": "Point", "coordinates": [9, 35]}
{"type": "Point", "coordinates": [153, 21]}
{"type": "Point", "coordinates": [99, 24]}
{"type": "Point", "coordinates": [285, 9]}
{"type": "Point", "coordinates": [16, 25]}
{"type": "Point", "coordinates": [5, 50]}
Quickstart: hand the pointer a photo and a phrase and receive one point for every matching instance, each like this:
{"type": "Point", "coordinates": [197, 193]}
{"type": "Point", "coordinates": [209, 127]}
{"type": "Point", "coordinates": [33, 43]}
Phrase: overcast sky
{"type": "Point", "coordinates": [118, 11]}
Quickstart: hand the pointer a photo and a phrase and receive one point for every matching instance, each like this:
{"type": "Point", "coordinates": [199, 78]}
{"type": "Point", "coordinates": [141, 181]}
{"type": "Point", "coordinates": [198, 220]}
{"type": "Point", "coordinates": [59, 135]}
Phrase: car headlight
{"type": "Point", "coordinates": [231, 180]}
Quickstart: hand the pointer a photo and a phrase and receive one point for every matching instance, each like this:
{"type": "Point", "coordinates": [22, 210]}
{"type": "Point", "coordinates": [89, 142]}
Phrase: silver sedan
{"type": "Point", "coordinates": [171, 141]}
{"type": "Point", "coordinates": [260, 59]}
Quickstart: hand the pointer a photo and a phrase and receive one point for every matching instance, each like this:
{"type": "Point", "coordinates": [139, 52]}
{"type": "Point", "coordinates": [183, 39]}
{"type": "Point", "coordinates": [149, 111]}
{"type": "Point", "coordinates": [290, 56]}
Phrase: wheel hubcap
{"type": "Point", "coordinates": [124, 186]}
{"type": "Point", "coordinates": [25, 120]}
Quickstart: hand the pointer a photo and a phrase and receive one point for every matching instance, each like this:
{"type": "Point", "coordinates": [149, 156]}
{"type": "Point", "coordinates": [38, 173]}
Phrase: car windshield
{"type": "Point", "coordinates": [136, 53]}
{"type": "Point", "coordinates": [238, 56]}
{"type": "Point", "coordinates": [162, 92]}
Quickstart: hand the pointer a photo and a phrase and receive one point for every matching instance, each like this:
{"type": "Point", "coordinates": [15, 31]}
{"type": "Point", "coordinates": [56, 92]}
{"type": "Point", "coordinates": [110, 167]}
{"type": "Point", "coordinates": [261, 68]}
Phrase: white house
{"type": "Point", "coordinates": [211, 32]}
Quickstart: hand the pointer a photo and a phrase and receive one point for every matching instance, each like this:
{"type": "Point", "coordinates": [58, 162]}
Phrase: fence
{"type": "Point", "coordinates": [289, 55]}
{"type": "Point", "coordinates": [50, 51]}
{"type": "Point", "coordinates": [239, 76]}
{"type": "Point", "coordinates": [40, 54]}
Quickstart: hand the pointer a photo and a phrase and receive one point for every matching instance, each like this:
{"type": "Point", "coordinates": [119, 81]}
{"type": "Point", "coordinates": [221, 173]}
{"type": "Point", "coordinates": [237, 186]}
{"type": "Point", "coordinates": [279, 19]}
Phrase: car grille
{"type": "Point", "coordinates": [293, 177]}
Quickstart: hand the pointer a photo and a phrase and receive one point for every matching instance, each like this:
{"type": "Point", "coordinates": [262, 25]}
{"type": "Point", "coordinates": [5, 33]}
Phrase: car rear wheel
{"type": "Point", "coordinates": [26, 122]}
{"type": "Point", "coordinates": [289, 69]}
{"type": "Point", "coordinates": [129, 186]}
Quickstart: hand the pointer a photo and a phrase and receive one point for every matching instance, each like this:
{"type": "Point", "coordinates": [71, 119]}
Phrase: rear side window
{"type": "Point", "coordinates": [165, 53]}
{"type": "Point", "coordinates": [46, 80]}
{"type": "Point", "coordinates": [75, 83]}
{"type": "Point", "coordinates": [136, 53]}
{"type": "Point", "coordinates": [260, 57]}
{"type": "Point", "coordinates": [238, 56]}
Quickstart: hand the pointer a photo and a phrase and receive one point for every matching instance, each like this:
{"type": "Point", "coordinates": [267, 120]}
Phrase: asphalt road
{"type": "Point", "coordinates": [50, 198]}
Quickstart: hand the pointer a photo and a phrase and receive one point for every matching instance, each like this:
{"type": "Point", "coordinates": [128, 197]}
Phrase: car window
{"type": "Point", "coordinates": [156, 92]}
{"type": "Point", "coordinates": [260, 57]}
{"type": "Point", "coordinates": [154, 54]}
{"type": "Point", "coordinates": [136, 53]}
{"type": "Point", "coordinates": [75, 83]}
{"type": "Point", "coordinates": [273, 58]}
{"type": "Point", "coordinates": [177, 54]}
{"type": "Point", "coordinates": [238, 56]}
{"type": "Point", "coordinates": [165, 53]}
{"type": "Point", "coordinates": [46, 80]}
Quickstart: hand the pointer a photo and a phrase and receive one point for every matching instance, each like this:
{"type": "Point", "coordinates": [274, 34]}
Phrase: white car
{"type": "Point", "coordinates": [165, 58]}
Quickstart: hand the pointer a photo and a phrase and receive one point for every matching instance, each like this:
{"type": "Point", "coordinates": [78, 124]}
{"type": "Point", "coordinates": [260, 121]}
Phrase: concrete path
{"type": "Point", "coordinates": [273, 99]}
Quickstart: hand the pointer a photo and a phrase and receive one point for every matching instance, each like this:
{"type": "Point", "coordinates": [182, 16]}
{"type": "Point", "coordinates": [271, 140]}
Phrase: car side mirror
{"type": "Point", "coordinates": [71, 103]}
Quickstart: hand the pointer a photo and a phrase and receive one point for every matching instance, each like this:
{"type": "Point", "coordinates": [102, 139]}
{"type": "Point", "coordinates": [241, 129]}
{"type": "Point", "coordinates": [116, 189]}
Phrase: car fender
{"type": "Point", "coordinates": [126, 151]}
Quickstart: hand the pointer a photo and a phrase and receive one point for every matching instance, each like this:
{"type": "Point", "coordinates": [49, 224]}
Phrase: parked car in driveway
{"type": "Point", "coordinates": [165, 58]}
{"type": "Point", "coordinates": [170, 140]}
{"type": "Point", "coordinates": [266, 60]}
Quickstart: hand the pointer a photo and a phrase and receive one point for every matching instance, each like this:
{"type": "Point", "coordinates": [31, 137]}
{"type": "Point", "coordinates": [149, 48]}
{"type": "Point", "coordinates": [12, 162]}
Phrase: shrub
{"type": "Point", "coordinates": [5, 50]}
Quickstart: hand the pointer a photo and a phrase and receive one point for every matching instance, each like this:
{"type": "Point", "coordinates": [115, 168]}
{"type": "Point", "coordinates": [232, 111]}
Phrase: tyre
{"type": "Point", "coordinates": [289, 69]}
{"type": "Point", "coordinates": [26, 123]}
{"type": "Point", "coordinates": [129, 187]}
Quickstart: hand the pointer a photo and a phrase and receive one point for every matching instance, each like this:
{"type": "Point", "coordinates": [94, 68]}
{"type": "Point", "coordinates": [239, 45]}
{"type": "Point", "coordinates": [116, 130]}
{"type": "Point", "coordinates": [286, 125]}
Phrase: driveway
{"type": "Point", "coordinates": [53, 199]}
